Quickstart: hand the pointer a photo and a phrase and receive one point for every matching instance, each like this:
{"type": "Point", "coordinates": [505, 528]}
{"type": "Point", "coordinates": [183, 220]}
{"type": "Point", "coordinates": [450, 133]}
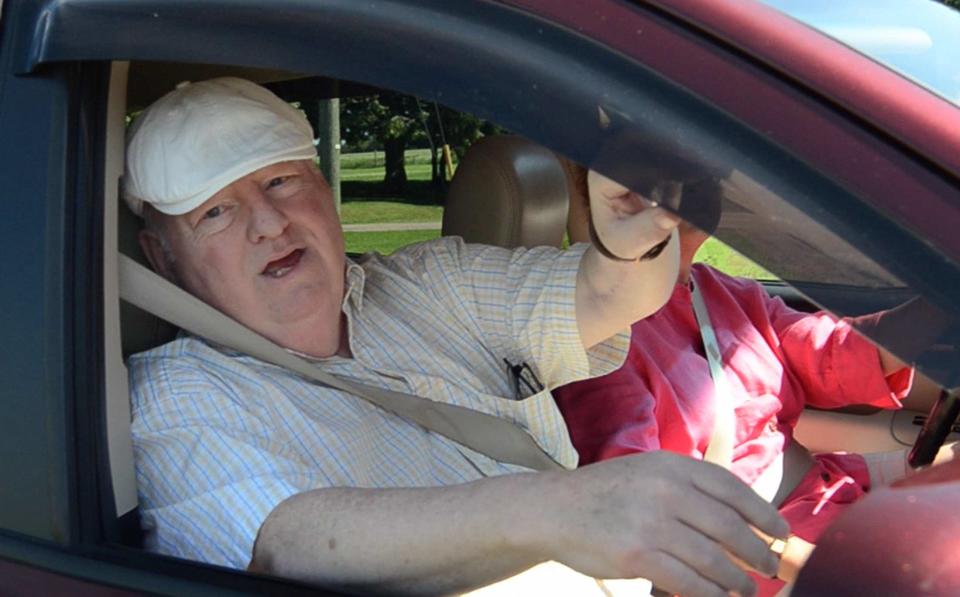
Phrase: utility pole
{"type": "Point", "coordinates": [324, 116]}
{"type": "Point", "coordinates": [328, 129]}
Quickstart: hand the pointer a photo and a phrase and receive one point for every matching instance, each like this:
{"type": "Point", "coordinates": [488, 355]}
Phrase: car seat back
{"type": "Point", "coordinates": [139, 330]}
{"type": "Point", "coordinates": [508, 192]}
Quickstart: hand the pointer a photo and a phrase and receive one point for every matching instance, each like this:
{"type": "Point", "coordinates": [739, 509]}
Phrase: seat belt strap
{"type": "Point", "coordinates": [489, 435]}
{"type": "Point", "coordinates": [780, 477]}
{"type": "Point", "coordinates": [720, 449]}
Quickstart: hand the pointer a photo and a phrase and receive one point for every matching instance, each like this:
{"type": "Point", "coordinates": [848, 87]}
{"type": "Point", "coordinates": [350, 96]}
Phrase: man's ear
{"type": "Point", "coordinates": [153, 247]}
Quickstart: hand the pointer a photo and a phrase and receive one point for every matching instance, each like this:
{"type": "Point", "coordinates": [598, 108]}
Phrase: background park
{"type": "Point", "coordinates": [396, 156]}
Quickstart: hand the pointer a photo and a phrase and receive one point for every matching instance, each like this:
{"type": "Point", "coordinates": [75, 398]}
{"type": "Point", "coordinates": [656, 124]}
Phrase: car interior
{"type": "Point", "coordinates": [507, 191]}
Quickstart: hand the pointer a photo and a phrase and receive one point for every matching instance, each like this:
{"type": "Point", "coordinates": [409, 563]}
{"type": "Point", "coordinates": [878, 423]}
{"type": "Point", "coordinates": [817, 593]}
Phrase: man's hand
{"type": "Point", "coordinates": [627, 224]}
{"type": "Point", "coordinates": [665, 517]}
{"type": "Point", "coordinates": [658, 515]}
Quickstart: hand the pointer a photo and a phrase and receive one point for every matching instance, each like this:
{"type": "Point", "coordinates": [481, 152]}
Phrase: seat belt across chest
{"type": "Point", "coordinates": [489, 435]}
{"type": "Point", "coordinates": [786, 471]}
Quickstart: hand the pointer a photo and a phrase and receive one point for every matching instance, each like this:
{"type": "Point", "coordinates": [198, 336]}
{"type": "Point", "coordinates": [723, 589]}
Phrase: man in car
{"type": "Point", "coordinates": [240, 459]}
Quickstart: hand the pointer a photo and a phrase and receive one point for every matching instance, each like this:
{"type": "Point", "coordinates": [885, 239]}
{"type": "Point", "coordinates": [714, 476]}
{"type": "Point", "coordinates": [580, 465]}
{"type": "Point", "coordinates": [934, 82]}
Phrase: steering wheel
{"type": "Point", "coordinates": [939, 421]}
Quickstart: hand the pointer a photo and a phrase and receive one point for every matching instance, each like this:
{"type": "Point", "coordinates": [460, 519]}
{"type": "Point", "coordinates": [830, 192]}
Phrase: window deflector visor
{"type": "Point", "coordinates": [782, 219]}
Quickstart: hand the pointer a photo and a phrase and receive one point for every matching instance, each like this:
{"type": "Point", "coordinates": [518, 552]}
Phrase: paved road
{"type": "Point", "coordinates": [391, 226]}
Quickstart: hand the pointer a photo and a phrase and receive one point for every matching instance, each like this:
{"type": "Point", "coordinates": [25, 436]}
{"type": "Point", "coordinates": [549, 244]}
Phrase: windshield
{"type": "Point", "coordinates": [920, 39]}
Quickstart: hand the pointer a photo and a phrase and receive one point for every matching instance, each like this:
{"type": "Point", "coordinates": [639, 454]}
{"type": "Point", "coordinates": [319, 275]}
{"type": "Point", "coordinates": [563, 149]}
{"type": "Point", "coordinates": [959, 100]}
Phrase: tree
{"type": "Point", "coordinates": [400, 128]}
{"type": "Point", "coordinates": [387, 121]}
{"type": "Point", "coordinates": [359, 122]}
{"type": "Point", "coordinates": [392, 122]}
{"type": "Point", "coordinates": [461, 130]}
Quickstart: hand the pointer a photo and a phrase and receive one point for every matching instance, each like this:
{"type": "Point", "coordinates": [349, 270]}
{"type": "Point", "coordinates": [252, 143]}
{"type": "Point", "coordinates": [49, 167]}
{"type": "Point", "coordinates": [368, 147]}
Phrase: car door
{"type": "Point", "coordinates": [594, 82]}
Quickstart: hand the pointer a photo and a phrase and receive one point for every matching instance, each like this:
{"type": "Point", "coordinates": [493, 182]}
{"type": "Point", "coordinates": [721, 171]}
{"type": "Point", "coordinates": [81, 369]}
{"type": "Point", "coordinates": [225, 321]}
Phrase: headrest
{"type": "Point", "coordinates": [508, 192]}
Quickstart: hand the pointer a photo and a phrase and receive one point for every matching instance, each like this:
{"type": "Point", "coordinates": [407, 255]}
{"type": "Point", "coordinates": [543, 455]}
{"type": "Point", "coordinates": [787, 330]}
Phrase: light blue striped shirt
{"type": "Point", "coordinates": [222, 438]}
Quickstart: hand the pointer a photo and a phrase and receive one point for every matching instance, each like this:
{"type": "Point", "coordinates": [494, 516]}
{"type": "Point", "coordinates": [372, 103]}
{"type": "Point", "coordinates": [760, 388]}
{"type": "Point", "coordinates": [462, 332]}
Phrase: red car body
{"type": "Point", "coordinates": [863, 130]}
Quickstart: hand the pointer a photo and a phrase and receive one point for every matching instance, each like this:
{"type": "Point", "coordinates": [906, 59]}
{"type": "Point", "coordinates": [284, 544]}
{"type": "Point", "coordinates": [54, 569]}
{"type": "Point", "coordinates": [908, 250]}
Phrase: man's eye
{"type": "Point", "coordinates": [213, 212]}
{"type": "Point", "coordinates": [276, 182]}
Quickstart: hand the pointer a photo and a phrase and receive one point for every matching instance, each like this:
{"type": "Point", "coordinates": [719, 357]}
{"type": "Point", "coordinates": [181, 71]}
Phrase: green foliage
{"type": "Point", "coordinates": [461, 130]}
{"type": "Point", "coordinates": [367, 121]}
{"type": "Point", "coordinates": [398, 127]}
{"type": "Point", "coordinates": [391, 122]}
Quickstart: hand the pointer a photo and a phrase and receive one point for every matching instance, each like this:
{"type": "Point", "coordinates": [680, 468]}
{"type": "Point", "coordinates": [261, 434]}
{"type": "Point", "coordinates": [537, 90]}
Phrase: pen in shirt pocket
{"type": "Point", "coordinates": [522, 377]}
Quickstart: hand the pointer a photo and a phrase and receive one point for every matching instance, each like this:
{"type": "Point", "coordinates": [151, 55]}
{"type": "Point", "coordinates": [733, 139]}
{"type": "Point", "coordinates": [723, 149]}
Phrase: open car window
{"type": "Point", "coordinates": [821, 192]}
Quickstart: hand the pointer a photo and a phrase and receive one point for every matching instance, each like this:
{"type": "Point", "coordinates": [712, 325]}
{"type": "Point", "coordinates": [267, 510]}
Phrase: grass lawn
{"type": "Point", "coordinates": [373, 159]}
{"type": "Point", "coordinates": [370, 174]}
{"type": "Point", "coordinates": [385, 242]}
{"type": "Point", "coordinates": [377, 212]}
{"type": "Point", "coordinates": [715, 253]}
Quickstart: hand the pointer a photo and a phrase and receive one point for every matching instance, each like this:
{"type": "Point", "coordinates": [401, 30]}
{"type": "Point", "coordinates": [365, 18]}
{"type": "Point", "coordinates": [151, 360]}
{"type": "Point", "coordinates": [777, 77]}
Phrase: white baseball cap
{"type": "Point", "coordinates": [202, 136]}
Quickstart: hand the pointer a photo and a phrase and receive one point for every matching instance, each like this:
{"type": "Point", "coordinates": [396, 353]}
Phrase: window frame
{"type": "Point", "coordinates": [61, 418]}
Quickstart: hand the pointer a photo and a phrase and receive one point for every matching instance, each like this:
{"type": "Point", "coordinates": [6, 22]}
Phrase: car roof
{"type": "Point", "coordinates": [847, 79]}
{"type": "Point", "coordinates": [918, 38]}
{"type": "Point", "coordinates": [854, 82]}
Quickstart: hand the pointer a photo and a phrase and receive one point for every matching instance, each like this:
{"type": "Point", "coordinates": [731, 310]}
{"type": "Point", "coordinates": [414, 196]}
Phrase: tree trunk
{"type": "Point", "coordinates": [434, 166]}
{"type": "Point", "coordinates": [393, 159]}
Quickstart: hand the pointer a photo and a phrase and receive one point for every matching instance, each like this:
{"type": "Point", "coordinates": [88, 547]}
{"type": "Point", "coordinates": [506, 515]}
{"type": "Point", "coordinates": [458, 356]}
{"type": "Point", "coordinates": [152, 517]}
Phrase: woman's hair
{"type": "Point", "coordinates": [577, 178]}
{"type": "Point", "coordinates": [579, 209]}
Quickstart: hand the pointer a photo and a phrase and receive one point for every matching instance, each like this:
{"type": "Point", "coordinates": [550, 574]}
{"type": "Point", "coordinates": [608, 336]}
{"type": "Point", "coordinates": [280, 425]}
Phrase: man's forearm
{"type": "Point", "coordinates": [660, 516]}
{"type": "Point", "coordinates": [414, 541]}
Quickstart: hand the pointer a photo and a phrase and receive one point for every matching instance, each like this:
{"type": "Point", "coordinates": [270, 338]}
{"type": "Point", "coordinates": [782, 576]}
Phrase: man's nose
{"type": "Point", "coordinates": [266, 220]}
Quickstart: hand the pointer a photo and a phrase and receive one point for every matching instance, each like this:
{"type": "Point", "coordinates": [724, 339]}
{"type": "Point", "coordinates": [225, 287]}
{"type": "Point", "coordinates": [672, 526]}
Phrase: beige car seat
{"type": "Point", "coordinates": [508, 192]}
{"type": "Point", "coordinates": [139, 330]}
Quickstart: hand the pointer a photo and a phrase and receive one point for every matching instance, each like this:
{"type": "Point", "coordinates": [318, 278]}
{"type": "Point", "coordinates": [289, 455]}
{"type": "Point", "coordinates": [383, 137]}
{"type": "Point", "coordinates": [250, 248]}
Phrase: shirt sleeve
{"type": "Point", "coordinates": [521, 303]}
{"type": "Point", "coordinates": [834, 363]}
{"type": "Point", "coordinates": [207, 472]}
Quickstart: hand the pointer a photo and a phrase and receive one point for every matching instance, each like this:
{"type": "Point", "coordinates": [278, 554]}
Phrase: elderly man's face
{"type": "Point", "coordinates": [266, 250]}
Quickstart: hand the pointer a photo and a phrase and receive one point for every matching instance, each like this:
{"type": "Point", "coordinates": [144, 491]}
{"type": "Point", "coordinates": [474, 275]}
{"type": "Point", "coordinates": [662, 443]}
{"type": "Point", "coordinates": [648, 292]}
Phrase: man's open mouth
{"type": "Point", "coordinates": [282, 266]}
